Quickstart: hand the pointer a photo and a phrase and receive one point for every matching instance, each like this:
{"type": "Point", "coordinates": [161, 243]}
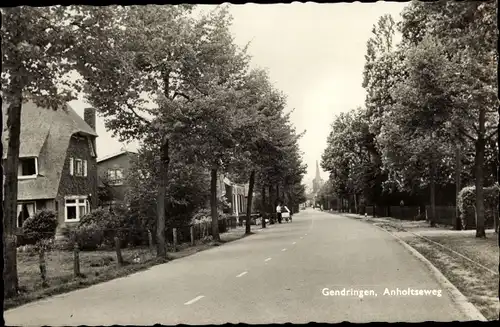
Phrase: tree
{"type": "Point", "coordinates": [347, 157]}
{"type": "Point", "coordinates": [414, 137]}
{"type": "Point", "coordinates": [379, 75]}
{"type": "Point", "coordinates": [35, 43]}
{"type": "Point", "coordinates": [470, 49]}
{"type": "Point", "coordinates": [146, 64]}
{"type": "Point", "coordinates": [187, 190]}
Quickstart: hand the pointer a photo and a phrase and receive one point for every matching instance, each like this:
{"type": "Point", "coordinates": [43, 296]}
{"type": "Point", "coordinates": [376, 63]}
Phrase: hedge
{"type": "Point", "coordinates": [467, 205]}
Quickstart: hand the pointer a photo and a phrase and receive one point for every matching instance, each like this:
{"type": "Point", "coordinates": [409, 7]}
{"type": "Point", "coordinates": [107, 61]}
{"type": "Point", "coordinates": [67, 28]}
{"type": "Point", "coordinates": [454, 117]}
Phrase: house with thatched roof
{"type": "Point", "coordinates": [57, 162]}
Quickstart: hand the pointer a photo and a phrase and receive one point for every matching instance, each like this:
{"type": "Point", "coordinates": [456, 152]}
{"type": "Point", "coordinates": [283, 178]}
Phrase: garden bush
{"type": "Point", "coordinates": [89, 236]}
{"type": "Point", "coordinates": [111, 223]}
{"type": "Point", "coordinates": [467, 205]}
{"type": "Point", "coordinates": [41, 226]}
{"type": "Point", "coordinates": [41, 230]}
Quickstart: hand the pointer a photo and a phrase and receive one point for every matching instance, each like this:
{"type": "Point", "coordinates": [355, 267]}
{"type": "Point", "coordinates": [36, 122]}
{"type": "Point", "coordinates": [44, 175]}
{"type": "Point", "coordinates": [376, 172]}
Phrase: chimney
{"type": "Point", "coordinates": [89, 115]}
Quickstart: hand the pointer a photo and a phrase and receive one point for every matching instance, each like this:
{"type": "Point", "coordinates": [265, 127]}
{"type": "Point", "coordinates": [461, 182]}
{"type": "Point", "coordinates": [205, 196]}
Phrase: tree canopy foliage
{"type": "Point", "coordinates": [430, 109]}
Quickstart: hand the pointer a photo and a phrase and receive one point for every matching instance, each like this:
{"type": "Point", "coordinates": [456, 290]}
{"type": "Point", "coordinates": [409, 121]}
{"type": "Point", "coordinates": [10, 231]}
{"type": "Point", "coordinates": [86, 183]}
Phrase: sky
{"type": "Point", "coordinates": [313, 52]}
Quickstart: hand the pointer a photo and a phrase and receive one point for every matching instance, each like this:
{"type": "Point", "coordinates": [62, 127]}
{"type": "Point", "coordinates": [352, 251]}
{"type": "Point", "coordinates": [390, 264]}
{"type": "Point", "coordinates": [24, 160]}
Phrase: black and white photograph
{"type": "Point", "coordinates": [255, 163]}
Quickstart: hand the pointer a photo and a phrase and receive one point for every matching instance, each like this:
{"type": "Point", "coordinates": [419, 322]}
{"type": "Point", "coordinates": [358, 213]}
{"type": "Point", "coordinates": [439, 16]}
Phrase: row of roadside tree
{"type": "Point", "coordinates": [170, 77]}
{"type": "Point", "coordinates": [429, 125]}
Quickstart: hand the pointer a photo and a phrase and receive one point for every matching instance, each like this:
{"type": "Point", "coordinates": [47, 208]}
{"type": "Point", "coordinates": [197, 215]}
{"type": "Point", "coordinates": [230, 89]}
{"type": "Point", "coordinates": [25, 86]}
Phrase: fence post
{"type": "Point", "coordinates": [42, 264]}
{"type": "Point", "coordinates": [76, 260]}
{"type": "Point", "coordinates": [191, 233]}
{"type": "Point", "coordinates": [174, 231]}
{"type": "Point", "coordinates": [150, 241]}
{"type": "Point", "coordinates": [118, 249]}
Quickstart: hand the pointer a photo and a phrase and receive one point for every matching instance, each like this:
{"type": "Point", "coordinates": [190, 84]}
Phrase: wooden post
{"type": "Point", "coordinates": [191, 233]}
{"type": "Point", "coordinates": [41, 263]}
{"type": "Point", "coordinates": [175, 238]}
{"type": "Point", "coordinates": [76, 260]}
{"type": "Point", "coordinates": [118, 249]}
{"type": "Point", "coordinates": [150, 241]}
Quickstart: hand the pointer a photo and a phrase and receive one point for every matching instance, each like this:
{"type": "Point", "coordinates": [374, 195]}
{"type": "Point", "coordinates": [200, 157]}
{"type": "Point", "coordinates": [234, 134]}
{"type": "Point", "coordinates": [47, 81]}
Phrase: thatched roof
{"type": "Point", "coordinates": [45, 133]}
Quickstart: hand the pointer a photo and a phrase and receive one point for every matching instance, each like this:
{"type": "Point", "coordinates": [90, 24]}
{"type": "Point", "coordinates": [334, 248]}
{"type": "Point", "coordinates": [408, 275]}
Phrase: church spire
{"type": "Point", "coordinates": [318, 177]}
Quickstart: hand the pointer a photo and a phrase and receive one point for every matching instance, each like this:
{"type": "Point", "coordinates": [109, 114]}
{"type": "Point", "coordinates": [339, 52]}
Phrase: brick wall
{"type": "Point", "coordinates": [77, 185]}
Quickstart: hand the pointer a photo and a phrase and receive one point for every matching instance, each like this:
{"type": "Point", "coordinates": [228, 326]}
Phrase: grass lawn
{"type": "Point", "coordinates": [96, 266]}
{"type": "Point", "coordinates": [478, 284]}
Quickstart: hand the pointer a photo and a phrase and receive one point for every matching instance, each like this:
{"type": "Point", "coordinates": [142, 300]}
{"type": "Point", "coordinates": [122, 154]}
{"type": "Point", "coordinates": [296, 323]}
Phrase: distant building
{"type": "Point", "coordinates": [57, 163]}
{"type": "Point", "coordinates": [235, 195]}
{"type": "Point", "coordinates": [113, 171]}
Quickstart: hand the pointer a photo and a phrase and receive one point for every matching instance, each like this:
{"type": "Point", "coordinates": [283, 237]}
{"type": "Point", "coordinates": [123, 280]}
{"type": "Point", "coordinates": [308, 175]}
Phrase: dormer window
{"type": "Point", "coordinates": [28, 168]}
{"type": "Point", "coordinates": [91, 147]}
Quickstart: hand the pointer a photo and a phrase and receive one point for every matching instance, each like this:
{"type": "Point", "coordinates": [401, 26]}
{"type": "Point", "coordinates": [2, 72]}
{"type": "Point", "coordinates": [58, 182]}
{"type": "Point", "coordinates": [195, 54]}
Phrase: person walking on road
{"type": "Point", "coordinates": [278, 212]}
{"type": "Point", "coordinates": [279, 209]}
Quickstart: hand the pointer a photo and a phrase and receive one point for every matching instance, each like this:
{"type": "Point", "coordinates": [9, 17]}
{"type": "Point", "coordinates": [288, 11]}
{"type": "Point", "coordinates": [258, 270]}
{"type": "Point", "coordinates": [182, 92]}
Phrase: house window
{"type": "Point", "coordinates": [28, 168]}
{"type": "Point", "coordinates": [75, 208]}
{"type": "Point", "coordinates": [115, 176]}
{"type": "Point", "coordinates": [24, 211]}
{"type": "Point", "coordinates": [91, 147]}
{"type": "Point", "coordinates": [77, 167]}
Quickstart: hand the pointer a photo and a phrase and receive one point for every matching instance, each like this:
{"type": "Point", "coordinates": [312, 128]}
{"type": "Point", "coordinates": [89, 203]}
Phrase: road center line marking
{"type": "Point", "coordinates": [294, 242]}
{"type": "Point", "coordinates": [283, 250]}
{"type": "Point", "coordinates": [243, 273]}
{"type": "Point", "coordinates": [194, 300]}
{"type": "Point", "coordinates": [301, 237]}
{"type": "Point", "coordinates": [267, 259]}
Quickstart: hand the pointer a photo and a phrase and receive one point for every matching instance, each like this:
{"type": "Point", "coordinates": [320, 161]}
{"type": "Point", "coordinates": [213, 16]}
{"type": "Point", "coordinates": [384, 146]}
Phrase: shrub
{"type": "Point", "coordinates": [41, 226]}
{"type": "Point", "coordinates": [111, 223]}
{"type": "Point", "coordinates": [97, 217]}
{"type": "Point", "coordinates": [467, 204]}
{"type": "Point", "coordinates": [89, 236]}
{"type": "Point", "coordinates": [41, 229]}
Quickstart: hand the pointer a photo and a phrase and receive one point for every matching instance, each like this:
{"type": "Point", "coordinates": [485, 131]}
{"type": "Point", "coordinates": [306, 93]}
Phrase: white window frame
{"type": "Point", "coordinates": [77, 204]}
{"type": "Point", "coordinates": [28, 176]}
{"type": "Point", "coordinates": [21, 203]}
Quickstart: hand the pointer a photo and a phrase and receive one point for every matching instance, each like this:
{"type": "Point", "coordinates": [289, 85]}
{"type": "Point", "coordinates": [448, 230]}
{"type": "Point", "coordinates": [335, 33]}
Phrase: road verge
{"type": "Point", "coordinates": [476, 296]}
{"type": "Point", "coordinates": [97, 267]}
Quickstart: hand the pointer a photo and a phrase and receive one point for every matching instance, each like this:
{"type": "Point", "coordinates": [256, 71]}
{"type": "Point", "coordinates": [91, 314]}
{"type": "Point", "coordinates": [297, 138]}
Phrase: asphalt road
{"type": "Point", "coordinates": [275, 276]}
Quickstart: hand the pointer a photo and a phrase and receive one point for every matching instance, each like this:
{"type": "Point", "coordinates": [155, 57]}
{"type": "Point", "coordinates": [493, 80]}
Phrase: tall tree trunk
{"type": "Point", "coordinates": [480, 228]}
{"type": "Point", "coordinates": [432, 217]}
{"type": "Point", "coordinates": [498, 180]}
{"type": "Point", "coordinates": [271, 199]}
{"type": "Point", "coordinates": [264, 206]}
{"type": "Point", "coordinates": [249, 202]}
{"type": "Point", "coordinates": [10, 196]}
{"type": "Point", "coordinates": [458, 184]}
{"type": "Point", "coordinates": [213, 205]}
{"type": "Point", "coordinates": [497, 217]}
{"type": "Point", "coordinates": [479, 163]}
{"type": "Point", "coordinates": [161, 248]}
{"type": "Point", "coordinates": [277, 192]}
{"type": "Point", "coordinates": [356, 209]}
